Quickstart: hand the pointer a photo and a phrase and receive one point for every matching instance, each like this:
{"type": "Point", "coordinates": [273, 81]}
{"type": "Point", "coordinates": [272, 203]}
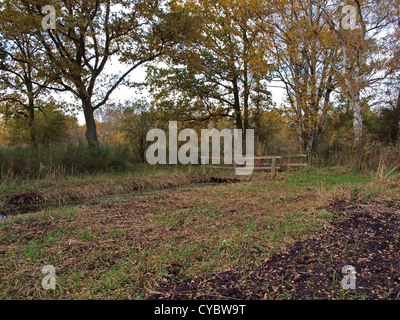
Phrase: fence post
{"type": "Point", "coordinates": [204, 168]}
{"type": "Point", "coordinates": [273, 170]}
{"type": "Point", "coordinates": [234, 167]}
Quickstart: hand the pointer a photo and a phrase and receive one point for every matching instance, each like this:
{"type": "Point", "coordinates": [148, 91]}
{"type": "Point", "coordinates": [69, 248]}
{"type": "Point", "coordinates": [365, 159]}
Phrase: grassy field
{"type": "Point", "coordinates": [120, 249]}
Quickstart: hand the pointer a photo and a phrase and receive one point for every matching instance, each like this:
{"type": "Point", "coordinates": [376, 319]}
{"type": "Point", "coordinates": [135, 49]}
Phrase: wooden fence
{"type": "Point", "coordinates": [267, 163]}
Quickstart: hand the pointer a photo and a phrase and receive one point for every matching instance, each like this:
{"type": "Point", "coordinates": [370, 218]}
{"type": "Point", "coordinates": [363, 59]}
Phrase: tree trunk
{"type": "Point", "coordinates": [397, 119]}
{"type": "Point", "coordinates": [357, 123]}
{"type": "Point", "coordinates": [311, 139]}
{"type": "Point", "coordinates": [353, 88]}
{"type": "Point", "coordinates": [31, 109]}
{"type": "Point", "coordinates": [357, 120]}
{"type": "Point", "coordinates": [238, 115]}
{"type": "Point", "coordinates": [324, 114]}
{"type": "Point", "coordinates": [245, 97]}
{"type": "Point", "coordinates": [31, 122]}
{"type": "Point", "coordinates": [91, 132]}
{"type": "Point", "coordinates": [300, 137]}
{"type": "Point", "coordinates": [300, 125]}
{"type": "Point", "coordinates": [257, 123]}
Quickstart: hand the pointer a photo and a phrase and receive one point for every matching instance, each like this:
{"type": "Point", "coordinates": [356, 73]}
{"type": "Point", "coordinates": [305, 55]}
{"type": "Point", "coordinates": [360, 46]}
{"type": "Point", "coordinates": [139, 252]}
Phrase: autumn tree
{"type": "Point", "coordinates": [137, 119]}
{"type": "Point", "coordinates": [390, 97]}
{"type": "Point", "coordinates": [108, 120]}
{"type": "Point", "coordinates": [215, 74]}
{"type": "Point", "coordinates": [88, 35]}
{"type": "Point", "coordinates": [356, 27]}
{"type": "Point", "coordinates": [298, 38]}
{"type": "Point", "coordinates": [52, 125]}
{"type": "Point", "coordinates": [22, 82]}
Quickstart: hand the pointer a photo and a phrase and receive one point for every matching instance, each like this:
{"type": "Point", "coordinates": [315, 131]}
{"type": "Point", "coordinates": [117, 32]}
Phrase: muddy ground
{"type": "Point", "coordinates": [363, 234]}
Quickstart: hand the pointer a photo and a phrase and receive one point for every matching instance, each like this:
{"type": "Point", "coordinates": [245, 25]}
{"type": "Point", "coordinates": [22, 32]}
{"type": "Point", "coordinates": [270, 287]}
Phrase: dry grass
{"type": "Point", "coordinates": [121, 249]}
{"type": "Point", "coordinates": [64, 192]}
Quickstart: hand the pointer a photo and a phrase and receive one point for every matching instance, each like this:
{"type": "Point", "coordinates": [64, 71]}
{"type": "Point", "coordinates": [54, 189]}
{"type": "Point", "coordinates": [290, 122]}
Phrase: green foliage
{"type": "Point", "coordinates": [385, 125]}
{"type": "Point", "coordinates": [51, 125]}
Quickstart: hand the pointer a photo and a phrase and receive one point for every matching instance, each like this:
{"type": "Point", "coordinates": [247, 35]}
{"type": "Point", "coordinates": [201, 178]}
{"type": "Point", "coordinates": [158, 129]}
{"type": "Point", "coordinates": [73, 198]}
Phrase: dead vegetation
{"type": "Point", "coordinates": [63, 194]}
{"type": "Point", "coordinates": [134, 248]}
{"type": "Point", "coordinates": [364, 234]}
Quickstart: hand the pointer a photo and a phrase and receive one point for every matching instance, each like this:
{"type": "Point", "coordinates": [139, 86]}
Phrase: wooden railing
{"type": "Point", "coordinates": [268, 163]}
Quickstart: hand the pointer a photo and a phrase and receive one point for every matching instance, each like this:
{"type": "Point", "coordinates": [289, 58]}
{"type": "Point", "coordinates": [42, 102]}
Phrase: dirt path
{"type": "Point", "coordinates": [363, 234]}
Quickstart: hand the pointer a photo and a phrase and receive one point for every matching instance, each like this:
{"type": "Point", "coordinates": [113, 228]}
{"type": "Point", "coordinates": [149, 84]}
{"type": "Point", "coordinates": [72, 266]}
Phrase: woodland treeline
{"type": "Point", "coordinates": [208, 63]}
